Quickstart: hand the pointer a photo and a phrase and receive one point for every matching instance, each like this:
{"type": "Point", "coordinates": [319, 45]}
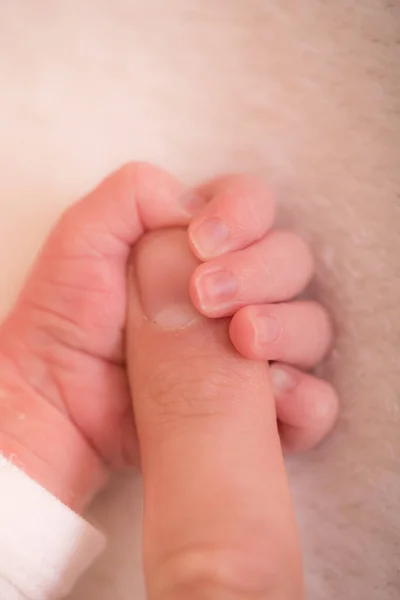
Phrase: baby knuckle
{"type": "Point", "coordinates": [136, 174]}
{"type": "Point", "coordinates": [299, 248]}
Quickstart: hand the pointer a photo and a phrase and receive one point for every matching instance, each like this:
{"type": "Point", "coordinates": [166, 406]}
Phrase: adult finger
{"type": "Point", "coordinates": [218, 520]}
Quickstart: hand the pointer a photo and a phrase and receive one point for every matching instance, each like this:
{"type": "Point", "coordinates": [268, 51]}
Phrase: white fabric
{"type": "Point", "coordinates": [44, 546]}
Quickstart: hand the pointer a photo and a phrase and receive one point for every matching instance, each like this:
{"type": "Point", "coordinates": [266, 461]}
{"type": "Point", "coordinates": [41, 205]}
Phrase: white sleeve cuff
{"type": "Point", "coordinates": [44, 546]}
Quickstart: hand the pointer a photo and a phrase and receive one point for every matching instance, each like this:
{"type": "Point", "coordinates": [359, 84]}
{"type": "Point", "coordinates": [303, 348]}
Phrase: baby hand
{"type": "Point", "coordinates": [253, 273]}
{"type": "Point", "coordinates": [65, 403]}
{"type": "Point", "coordinates": [65, 408]}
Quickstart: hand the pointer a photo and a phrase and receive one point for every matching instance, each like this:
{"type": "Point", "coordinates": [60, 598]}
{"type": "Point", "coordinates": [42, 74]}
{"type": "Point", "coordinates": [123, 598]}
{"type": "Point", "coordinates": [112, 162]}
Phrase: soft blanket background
{"type": "Point", "coordinates": [306, 94]}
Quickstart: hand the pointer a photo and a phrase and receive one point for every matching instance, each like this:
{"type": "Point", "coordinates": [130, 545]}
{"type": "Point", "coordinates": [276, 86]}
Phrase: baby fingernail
{"type": "Point", "coordinates": [192, 203]}
{"type": "Point", "coordinates": [209, 237]}
{"type": "Point", "coordinates": [267, 330]}
{"type": "Point", "coordinates": [216, 288]}
{"type": "Point", "coordinates": [282, 380]}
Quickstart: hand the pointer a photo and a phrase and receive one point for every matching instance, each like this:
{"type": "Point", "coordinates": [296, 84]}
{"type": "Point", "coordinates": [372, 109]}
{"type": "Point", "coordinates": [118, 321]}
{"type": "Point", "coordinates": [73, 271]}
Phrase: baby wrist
{"type": "Point", "coordinates": [42, 442]}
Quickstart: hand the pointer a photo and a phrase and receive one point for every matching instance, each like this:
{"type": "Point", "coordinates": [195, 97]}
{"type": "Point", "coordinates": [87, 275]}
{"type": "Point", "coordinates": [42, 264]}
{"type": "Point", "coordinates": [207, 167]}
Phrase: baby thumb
{"type": "Point", "coordinates": [218, 521]}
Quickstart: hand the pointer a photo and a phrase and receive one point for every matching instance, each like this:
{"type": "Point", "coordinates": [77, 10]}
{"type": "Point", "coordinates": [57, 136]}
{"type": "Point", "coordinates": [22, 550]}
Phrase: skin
{"type": "Point", "coordinates": [67, 383]}
{"type": "Point", "coordinates": [218, 520]}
